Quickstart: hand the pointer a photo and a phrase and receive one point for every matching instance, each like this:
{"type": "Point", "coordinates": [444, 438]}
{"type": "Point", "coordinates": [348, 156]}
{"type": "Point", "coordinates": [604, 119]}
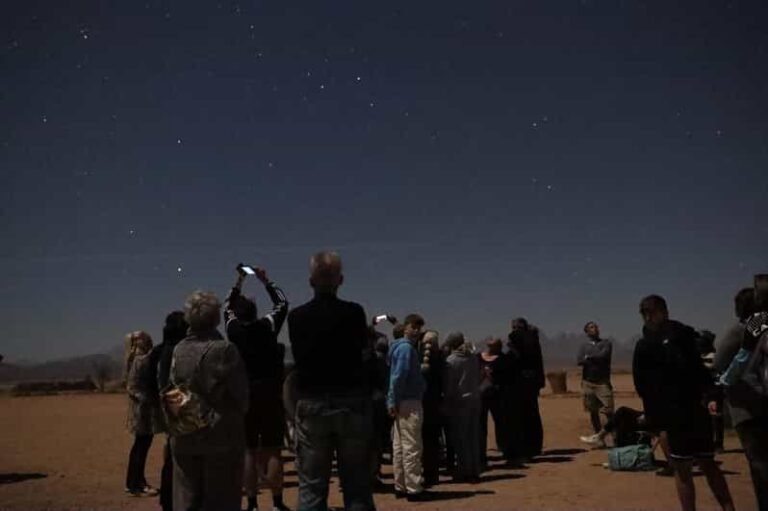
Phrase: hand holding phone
{"type": "Point", "coordinates": [244, 269]}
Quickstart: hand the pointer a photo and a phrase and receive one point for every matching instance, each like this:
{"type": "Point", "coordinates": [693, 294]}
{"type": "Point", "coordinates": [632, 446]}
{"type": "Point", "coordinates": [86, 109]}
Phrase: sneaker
{"type": "Point", "coordinates": [147, 491]}
{"type": "Point", "coordinates": [595, 440]}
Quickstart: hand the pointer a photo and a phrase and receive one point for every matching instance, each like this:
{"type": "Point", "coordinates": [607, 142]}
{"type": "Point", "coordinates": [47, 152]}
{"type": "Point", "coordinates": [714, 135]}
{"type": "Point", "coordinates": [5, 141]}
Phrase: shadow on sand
{"type": "Point", "coordinates": [19, 478]}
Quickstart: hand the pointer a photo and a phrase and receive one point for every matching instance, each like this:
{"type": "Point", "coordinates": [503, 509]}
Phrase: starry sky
{"type": "Point", "coordinates": [473, 161]}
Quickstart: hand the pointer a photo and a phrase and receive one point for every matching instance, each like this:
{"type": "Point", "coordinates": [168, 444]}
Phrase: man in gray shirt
{"type": "Point", "coordinates": [594, 357]}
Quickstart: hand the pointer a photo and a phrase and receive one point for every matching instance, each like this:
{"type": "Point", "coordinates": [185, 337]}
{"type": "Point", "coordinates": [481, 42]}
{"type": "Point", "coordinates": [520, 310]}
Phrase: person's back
{"type": "Point", "coordinates": [328, 338]}
{"type": "Point", "coordinates": [462, 380]}
{"type": "Point", "coordinates": [334, 411]}
{"type": "Point", "coordinates": [208, 462]}
{"type": "Point", "coordinates": [213, 368]}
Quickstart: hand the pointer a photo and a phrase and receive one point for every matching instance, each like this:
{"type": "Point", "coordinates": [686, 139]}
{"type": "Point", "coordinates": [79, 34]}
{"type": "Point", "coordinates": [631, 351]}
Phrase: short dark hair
{"type": "Point", "coordinates": [398, 331]}
{"type": "Point", "coordinates": [414, 320]}
{"type": "Point", "coordinates": [653, 303]}
{"type": "Point", "coordinates": [521, 322]}
{"type": "Point", "coordinates": [244, 308]}
{"type": "Point", "coordinates": [175, 328]}
{"type": "Point", "coordinates": [589, 323]}
{"type": "Point", "coordinates": [744, 302]}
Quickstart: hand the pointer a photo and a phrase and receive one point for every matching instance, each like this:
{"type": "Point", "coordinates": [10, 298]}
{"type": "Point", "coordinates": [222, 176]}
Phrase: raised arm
{"type": "Point", "coordinates": [277, 315]}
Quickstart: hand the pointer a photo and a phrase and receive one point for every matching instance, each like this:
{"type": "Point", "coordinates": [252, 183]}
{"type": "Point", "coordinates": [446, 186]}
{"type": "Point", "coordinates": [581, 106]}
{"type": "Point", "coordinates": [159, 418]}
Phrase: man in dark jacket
{"type": "Point", "coordinates": [256, 339]}
{"type": "Point", "coordinates": [526, 431]}
{"type": "Point", "coordinates": [673, 383]}
{"type": "Point", "coordinates": [334, 410]}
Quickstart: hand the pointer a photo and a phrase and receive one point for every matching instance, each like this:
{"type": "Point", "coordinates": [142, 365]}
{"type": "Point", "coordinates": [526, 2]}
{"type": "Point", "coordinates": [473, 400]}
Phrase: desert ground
{"type": "Point", "coordinates": [69, 452]}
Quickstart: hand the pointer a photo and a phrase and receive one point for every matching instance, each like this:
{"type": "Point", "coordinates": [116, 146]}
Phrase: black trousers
{"type": "Point", "coordinates": [754, 440]}
{"type": "Point", "coordinates": [524, 429]}
{"type": "Point", "coordinates": [431, 456]}
{"type": "Point", "coordinates": [166, 478]}
{"type": "Point", "coordinates": [492, 403]}
{"type": "Point", "coordinates": [137, 460]}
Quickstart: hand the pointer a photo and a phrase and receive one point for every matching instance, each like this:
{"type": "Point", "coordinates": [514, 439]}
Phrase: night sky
{"type": "Point", "coordinates": [472, 161]}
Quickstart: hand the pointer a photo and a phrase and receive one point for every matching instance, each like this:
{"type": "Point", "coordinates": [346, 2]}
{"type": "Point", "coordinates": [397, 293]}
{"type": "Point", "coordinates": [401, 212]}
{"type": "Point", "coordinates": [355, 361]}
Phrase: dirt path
{"type": "Point", "coordinates": [70, 452]}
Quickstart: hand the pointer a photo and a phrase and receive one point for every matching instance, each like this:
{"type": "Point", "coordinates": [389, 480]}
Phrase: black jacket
{"type": "Point", "coordinates": [669, 374]}
{"type": "Point", "coordinates": [328, 339]}
{"type": "Point", "coordinates": [526, 358]}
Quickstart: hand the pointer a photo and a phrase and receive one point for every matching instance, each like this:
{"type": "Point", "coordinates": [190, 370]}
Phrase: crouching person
{"type": "Point", "coordinates": [206, 406]}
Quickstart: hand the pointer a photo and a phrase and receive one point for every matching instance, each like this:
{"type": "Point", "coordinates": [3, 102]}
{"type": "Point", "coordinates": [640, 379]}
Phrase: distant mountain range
{"type": "Point", "coordinates": [559, 353]}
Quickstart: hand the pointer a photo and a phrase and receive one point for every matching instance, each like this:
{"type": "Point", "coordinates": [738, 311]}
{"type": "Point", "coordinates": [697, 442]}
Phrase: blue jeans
{"type": "Point", "coordinates": [329, 424]}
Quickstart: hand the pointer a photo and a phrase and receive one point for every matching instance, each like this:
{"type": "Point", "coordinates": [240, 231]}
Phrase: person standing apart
{"type": "Point", "coordinates": [595, 360]}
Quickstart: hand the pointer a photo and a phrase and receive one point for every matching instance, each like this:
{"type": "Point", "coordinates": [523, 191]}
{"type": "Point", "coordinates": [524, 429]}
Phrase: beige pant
{"type": "Point", "coordinates": [407, 447]}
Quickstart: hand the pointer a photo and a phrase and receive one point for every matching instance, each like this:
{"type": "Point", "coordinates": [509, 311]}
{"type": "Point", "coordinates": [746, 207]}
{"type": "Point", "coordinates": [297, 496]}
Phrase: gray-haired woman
{"type": "Point", "coordinates": [208, 463]}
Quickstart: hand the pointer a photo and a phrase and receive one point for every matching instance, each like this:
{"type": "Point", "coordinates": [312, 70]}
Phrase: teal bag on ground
{"type": "Point", "coordinates": [631, 458]}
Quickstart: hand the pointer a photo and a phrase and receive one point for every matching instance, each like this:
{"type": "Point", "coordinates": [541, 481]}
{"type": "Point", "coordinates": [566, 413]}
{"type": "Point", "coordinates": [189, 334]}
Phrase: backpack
{"type": "Point", "coordinates": [631, 458]}
{"type": "Point", "coordinates": [750, 368]}
{"type": "Point", "coordinates": [185, 410]}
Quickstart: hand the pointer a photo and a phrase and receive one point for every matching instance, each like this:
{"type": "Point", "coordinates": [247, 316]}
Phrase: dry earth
{"type": "Point", "coordinates": [69, 452]}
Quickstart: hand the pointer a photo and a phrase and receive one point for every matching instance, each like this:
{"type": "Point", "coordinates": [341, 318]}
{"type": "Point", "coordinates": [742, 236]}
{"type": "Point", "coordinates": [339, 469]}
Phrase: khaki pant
{"type": "Point", "coordinates": [407, 448]}
{"type": "Point", "coordinates": [598, 400]}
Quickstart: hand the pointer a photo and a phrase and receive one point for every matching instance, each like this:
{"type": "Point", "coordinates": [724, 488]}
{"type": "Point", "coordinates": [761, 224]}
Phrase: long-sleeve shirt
{"type": "Point", "coordinates": [406, 382]}
{"type": "Point", "coordinates": [213, 368]}
{"type": "Point", "coordinates": [328, 337]}
{"type": "Point", "coordinates": [257, 340]}
{"type": "Point", "coordinates": [595, 360]}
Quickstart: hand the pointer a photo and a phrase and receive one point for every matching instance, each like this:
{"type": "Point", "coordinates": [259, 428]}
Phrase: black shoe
{"type": "Point", "coordinates": [423, 496]}
{"type": "Point", "coordinates": [400, 494]}
{"type": "Point", "coordinates": [665, 472]}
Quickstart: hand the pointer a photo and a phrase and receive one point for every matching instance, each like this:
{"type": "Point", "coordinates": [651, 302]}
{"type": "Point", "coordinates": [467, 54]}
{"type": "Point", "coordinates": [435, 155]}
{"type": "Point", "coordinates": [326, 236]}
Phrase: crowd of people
{"type": "Point", "coordinates": [229, 407]}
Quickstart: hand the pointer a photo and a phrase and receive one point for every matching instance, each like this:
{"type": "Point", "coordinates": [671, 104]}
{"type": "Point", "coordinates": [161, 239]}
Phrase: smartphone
{"type": "Point", "coordinates": [245, 269]}
{"type": "Point", "coordinates": [381, 317]}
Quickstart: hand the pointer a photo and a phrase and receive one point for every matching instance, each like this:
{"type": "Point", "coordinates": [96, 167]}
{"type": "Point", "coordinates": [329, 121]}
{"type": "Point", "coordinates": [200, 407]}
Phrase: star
{"type": "Point", "coordinates": [178, 269]}
{"type": "Point", "coordinates": [534, 124]}
{"type": "Point", "coordinates": [178, 141]}
{"type": "Point", "coordinates": [45, 118]}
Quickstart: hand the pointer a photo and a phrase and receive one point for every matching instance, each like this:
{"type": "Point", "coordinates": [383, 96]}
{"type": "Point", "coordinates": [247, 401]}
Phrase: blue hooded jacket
{"type": "Point", "coordinates": [405, 380]}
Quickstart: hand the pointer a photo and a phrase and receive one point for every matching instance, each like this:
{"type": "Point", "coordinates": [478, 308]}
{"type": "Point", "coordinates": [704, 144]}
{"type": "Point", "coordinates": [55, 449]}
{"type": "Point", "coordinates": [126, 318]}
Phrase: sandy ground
{"type": "Point", "coordinates": [70, 452]}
